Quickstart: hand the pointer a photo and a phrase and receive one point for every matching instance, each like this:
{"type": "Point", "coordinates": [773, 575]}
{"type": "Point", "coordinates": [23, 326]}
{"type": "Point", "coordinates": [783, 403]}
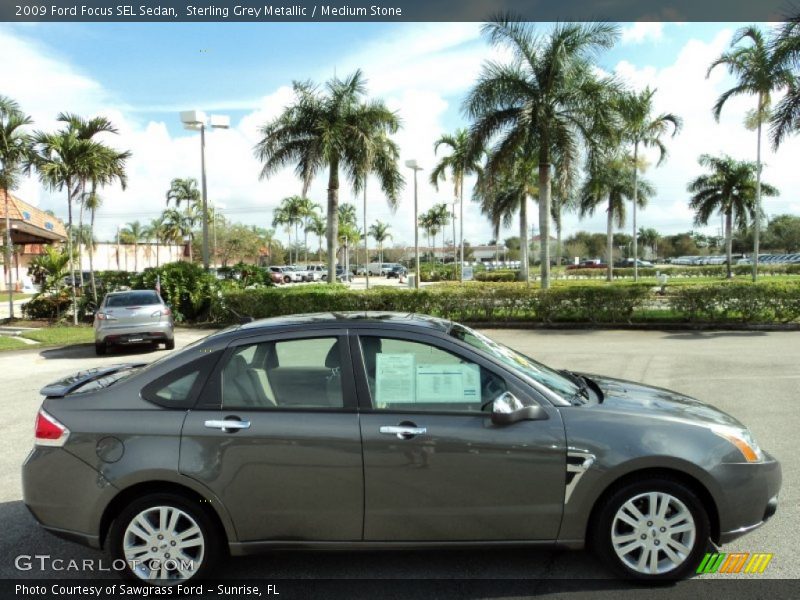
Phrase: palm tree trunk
{"type": "Point", "coordinates": [91, 257]}
{"type": "Point", "coordinates": [757, 220]}
{"type": "Point", "coordinates": [635, 199]}
{"type": "Point", "coordinates": [729, 241]}
{"type": "Point", "coordinates": [610, 243]}
{"type": "Point", "coordinates": [157, 252]}
{"type": "Point", "coordinates": [333, 218]}
{"type": "Point", "coordinates": [558, 239]}
{"type": "Point", "coordinates": [523, 239]}
{"type": "Point", "coordinates": [136, 256]}
{"type": "Point", "coordinates": [191, 243]}
{"type": "Point", "coordinates": [80, 232]}
{"type": "Point", "coordinates": [69, 250]}
{"type": "Point", "coordinates": [461, 237]}
{"type": "Point", "coordinates": [544, 220]}
{"type": "Point", "coordinates": [305, 242]}
{"type": "Point", "coordinates": [8, 258]}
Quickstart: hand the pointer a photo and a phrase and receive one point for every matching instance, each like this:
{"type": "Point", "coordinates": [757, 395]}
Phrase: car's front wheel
{"type": "Point", "coordinates": [164, 539]}
{"type": "Point", "coordinates": [656, 529]}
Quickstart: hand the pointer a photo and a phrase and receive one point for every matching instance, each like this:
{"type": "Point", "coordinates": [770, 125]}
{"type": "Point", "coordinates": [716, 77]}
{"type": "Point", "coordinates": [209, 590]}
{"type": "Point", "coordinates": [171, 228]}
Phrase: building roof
{"type": "Point", "coordinates": [30, 225]}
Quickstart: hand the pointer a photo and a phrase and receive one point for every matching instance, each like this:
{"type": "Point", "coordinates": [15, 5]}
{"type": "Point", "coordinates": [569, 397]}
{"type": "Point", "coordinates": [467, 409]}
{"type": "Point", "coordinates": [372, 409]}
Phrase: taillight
{"type": "Point", "coordinates": [101, 316]}
{"type": "Point", "coordinates": [49, 432]}
{"type": "Point", "coordinates": [164, 312]}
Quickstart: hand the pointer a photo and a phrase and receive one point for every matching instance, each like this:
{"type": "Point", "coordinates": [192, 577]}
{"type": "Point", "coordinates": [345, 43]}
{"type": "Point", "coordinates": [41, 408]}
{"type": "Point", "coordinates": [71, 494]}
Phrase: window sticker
{"type": "Point", "coordinates": [394, 379]}
{"type": "Point", "coordinates": [439, 383]}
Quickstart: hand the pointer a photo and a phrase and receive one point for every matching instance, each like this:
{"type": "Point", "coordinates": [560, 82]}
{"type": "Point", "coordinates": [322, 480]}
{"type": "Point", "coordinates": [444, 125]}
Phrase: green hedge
{"type": "Point", "coordinates": [472, 302]}
{"type": "Point", "coordinates": [516, 302]}
{"type": "Point", "coordinates": [764, 302]}
{"type": "Point", "coordinates": [497, 276]}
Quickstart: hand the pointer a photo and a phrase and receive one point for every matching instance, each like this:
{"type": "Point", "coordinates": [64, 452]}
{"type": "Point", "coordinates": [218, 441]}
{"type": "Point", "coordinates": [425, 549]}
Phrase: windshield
{"type": "Point", "coordinates": [525, 365]}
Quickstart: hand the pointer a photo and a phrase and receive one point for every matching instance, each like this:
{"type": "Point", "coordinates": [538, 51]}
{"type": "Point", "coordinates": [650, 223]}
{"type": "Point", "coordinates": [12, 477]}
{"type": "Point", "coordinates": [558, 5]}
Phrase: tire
{"type": "Point", "coordinates": [100, 348]}
{"type": "Point", "coordinates": [169, 344]}
{"type": "Point", "coordinates": [616, 534]}
{"type": "Point", "coordinates": [201, 553]}
{"type": "Point", "coordinates": [287, 279]}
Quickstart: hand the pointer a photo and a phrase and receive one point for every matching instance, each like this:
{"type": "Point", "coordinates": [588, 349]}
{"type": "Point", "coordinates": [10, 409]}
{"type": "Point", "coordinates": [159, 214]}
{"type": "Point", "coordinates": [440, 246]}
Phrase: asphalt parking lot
{"type": "Point", "coordinates": [752, 375]}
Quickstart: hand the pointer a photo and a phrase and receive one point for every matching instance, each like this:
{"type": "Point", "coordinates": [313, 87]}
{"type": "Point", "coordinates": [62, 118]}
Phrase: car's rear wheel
{"type": "Point", "coordinates": [169, 344]}
{"type": "Point", "coordinates": [100, 348]}
{"type": "Point", "coordinates": [287, 279]}
{"type": "Point", "coordinates": [656, 529]}
{"type": "Point", "coordinates": [164, 539]}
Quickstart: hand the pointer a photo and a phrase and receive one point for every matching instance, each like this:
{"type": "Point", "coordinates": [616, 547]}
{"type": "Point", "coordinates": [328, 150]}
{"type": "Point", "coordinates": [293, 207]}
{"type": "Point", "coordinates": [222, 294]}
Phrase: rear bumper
{"type": "Point", "coordinates": [148, 332]}
{"type": "Point", "coordinates": [73, 512]}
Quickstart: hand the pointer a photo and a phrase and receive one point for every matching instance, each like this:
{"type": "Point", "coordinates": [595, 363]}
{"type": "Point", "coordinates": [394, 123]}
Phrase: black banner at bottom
{"type": "Point", "coordinates": [388, 589]}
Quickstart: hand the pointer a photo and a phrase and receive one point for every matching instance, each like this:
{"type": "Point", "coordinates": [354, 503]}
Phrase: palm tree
{"type": "Point", "coordinates": [641, 127]}
{"type": "Point", "coordinates": [332, 130]}
{"type": "Point", "coordinates": [461, 161]}
{"type": "Point", "coordinates": [786, 49]}
{"type": "Point", "coordinates": [347, 214]}
{"type": "Point", "coordinates": [155, 231]}
{"type": "Point", "coordinates": [541, 103]}
{"type": "Point", "coordinates": [184, 191]}
{"type": "Point", "coordinates": [649, 238]}
{"type": "Point", "coordinates": [178, 225]}
{"type": "Point", "coordinates": [15, 153]}
{"type": "Point", "coordinates": [133, 233]}
{"type": "Point", "coordinates": [286, 216]}
{"type": "Point", "coordinates": [380, 233]}
{"type": "Point", "coordinates": [440, 218]}
{"type": "Point", "coordinates": [759, 73]}
{"type": "Point", "coordinates": [729, 189]}
{"type": "Point", "coordinates": [503, 190]}
{"type": "Point", "coordinates": [317, 226]}
{"type": "Point", "coordinates": [61, 160]}
{"type": "Point", "coordinates": [109, 167]}
{"type": "Point", "coordinates": [610, 182]}
{"type": "Point", "coordinates": [96, 160]}
{"type": "Point", "coordinates": [307, 209]}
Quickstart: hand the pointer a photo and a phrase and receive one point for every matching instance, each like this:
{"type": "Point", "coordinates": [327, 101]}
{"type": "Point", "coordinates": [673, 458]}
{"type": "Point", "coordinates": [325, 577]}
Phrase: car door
{"type": "Point", "coordinates": [275, 435]}
{"type": "Point", "coordinates": [435, 466]}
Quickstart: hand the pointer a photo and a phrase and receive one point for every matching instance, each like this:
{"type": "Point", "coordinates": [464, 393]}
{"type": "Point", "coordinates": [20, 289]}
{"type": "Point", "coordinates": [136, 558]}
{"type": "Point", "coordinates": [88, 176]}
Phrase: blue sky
{"type": "Point", "coordinates": [140, 75]}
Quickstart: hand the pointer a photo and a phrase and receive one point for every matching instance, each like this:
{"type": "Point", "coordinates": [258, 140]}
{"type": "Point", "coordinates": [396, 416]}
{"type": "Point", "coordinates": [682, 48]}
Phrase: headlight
{"type": "Point", "coordinates": [743, 440]}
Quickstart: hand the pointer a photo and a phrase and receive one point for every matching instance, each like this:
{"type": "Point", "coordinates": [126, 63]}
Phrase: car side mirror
{"type": "Point", "coordinates": [508, 409]}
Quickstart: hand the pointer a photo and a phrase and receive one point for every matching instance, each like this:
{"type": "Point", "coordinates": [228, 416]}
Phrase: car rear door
{"type": "Point", "coordinates": [275, 435]}
{"type": "Point", "coordinates": [435, 467]}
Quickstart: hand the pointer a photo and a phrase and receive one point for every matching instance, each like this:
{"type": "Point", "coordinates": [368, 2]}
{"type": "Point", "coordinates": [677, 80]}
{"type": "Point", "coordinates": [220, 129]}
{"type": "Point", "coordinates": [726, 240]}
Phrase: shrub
{"type": "Point", "coordinates": [497, 276]}
{"type": "Point", "coordinates": [48, 306]}
{"type": "Point", "coordinates": [746, 302]}
{"type": "Point", "coordinates": [185, 287]}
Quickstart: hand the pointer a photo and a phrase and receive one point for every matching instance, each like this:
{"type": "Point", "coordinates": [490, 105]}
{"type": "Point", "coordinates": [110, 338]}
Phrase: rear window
{"type": "Point", "coordinates": [133, 299]}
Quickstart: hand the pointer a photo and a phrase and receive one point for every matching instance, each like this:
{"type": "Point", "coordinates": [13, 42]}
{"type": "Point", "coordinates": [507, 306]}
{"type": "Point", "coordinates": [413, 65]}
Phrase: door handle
{"type": "Point", "coordinates": [227, 425]}
{"type": "Point", "coordinates": [403, 432]}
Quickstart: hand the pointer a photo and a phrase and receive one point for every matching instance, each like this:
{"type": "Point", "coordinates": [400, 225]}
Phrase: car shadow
{"type": "Point", "coordinates": [83, 351]}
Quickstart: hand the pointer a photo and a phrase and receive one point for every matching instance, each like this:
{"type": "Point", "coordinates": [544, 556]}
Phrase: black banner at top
{"type": "Point", "coordinates": [254, 11]}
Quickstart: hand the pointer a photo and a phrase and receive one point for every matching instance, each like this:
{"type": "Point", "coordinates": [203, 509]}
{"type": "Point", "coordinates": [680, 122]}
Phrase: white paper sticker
{"type": "Point", "coordinates": [394, 379]}
{"type": "Point", "coordinates": [448, 383]}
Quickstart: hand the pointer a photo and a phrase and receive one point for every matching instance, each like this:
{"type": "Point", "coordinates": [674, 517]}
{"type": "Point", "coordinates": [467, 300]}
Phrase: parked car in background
{"type": "Point", "coordinates": [397, 272]}
{"type": "Point", "coordinates": [285, 275]}
{"type": "Point", "coordinates": [133, 317]}
{"type": "Point", "coordinates": [390, 430]}
{"type": "Point", "coordinates": [628, 263]}
{"type": "Point", "coordinates": [305, 274]}
{"type": "Point", "coordinates": [341, 274]}
{"type": "Point", "coordinates": [380, 269]}
{"type": "Point", "coordinates": [588, 264]}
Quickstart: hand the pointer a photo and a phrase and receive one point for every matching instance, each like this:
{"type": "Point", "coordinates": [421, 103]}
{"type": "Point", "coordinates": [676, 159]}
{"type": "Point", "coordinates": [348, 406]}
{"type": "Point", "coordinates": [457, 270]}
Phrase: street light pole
{"type": "Point", "coordinates": [412, 164]}
{"type": "Point", "coordinates": [205, 193]}
{"type": "Point", "coordinates": [197, 120]}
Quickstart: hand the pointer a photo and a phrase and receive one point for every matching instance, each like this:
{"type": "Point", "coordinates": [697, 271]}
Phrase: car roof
{"type": "Point", "coordinates": [324, 320]}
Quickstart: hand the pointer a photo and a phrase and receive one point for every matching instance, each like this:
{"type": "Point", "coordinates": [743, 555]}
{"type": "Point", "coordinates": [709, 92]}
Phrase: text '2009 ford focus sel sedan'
{"type": "Point", "coordinates": [384, 431]}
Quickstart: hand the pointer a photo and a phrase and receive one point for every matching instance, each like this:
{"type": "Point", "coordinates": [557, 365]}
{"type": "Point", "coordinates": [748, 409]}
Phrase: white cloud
{"type": "Point", "coordinates": [637, 33]}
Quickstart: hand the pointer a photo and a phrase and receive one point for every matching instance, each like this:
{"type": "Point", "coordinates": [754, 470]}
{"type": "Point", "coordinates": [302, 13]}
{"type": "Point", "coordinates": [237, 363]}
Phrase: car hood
{"type": "Point", "coordinates": [630, 397]}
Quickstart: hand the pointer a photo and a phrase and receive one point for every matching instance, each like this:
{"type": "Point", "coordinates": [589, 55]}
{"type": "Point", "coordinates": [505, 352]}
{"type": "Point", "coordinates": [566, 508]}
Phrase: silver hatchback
{"type": "Point", "coordinates": [133, 317]}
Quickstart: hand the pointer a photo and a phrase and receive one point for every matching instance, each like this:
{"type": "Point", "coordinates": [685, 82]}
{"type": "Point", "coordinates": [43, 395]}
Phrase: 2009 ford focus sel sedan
{"type": "Point", "coordinates": [378, 430]}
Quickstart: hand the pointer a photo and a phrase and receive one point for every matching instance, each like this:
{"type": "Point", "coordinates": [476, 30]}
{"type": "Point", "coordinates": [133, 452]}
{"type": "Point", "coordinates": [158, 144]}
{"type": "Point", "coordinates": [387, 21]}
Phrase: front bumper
{"type": "Point", "coordinates": [135, 334]}
{"type": "Point", "coordinates": [750, 496]}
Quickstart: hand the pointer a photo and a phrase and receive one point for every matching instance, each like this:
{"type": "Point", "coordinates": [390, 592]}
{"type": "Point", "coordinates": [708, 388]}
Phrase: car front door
{"type": "Point", "coordinates": [436, 468]}
{"type": "Point", "coordinates": [275, 435]}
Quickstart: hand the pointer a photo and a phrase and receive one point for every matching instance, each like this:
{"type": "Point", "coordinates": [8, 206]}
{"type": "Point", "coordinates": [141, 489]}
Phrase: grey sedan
{"type": "Point", "coordinates": [384, 430]}
{"type": "Point", "coordinates": [133, 317]}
